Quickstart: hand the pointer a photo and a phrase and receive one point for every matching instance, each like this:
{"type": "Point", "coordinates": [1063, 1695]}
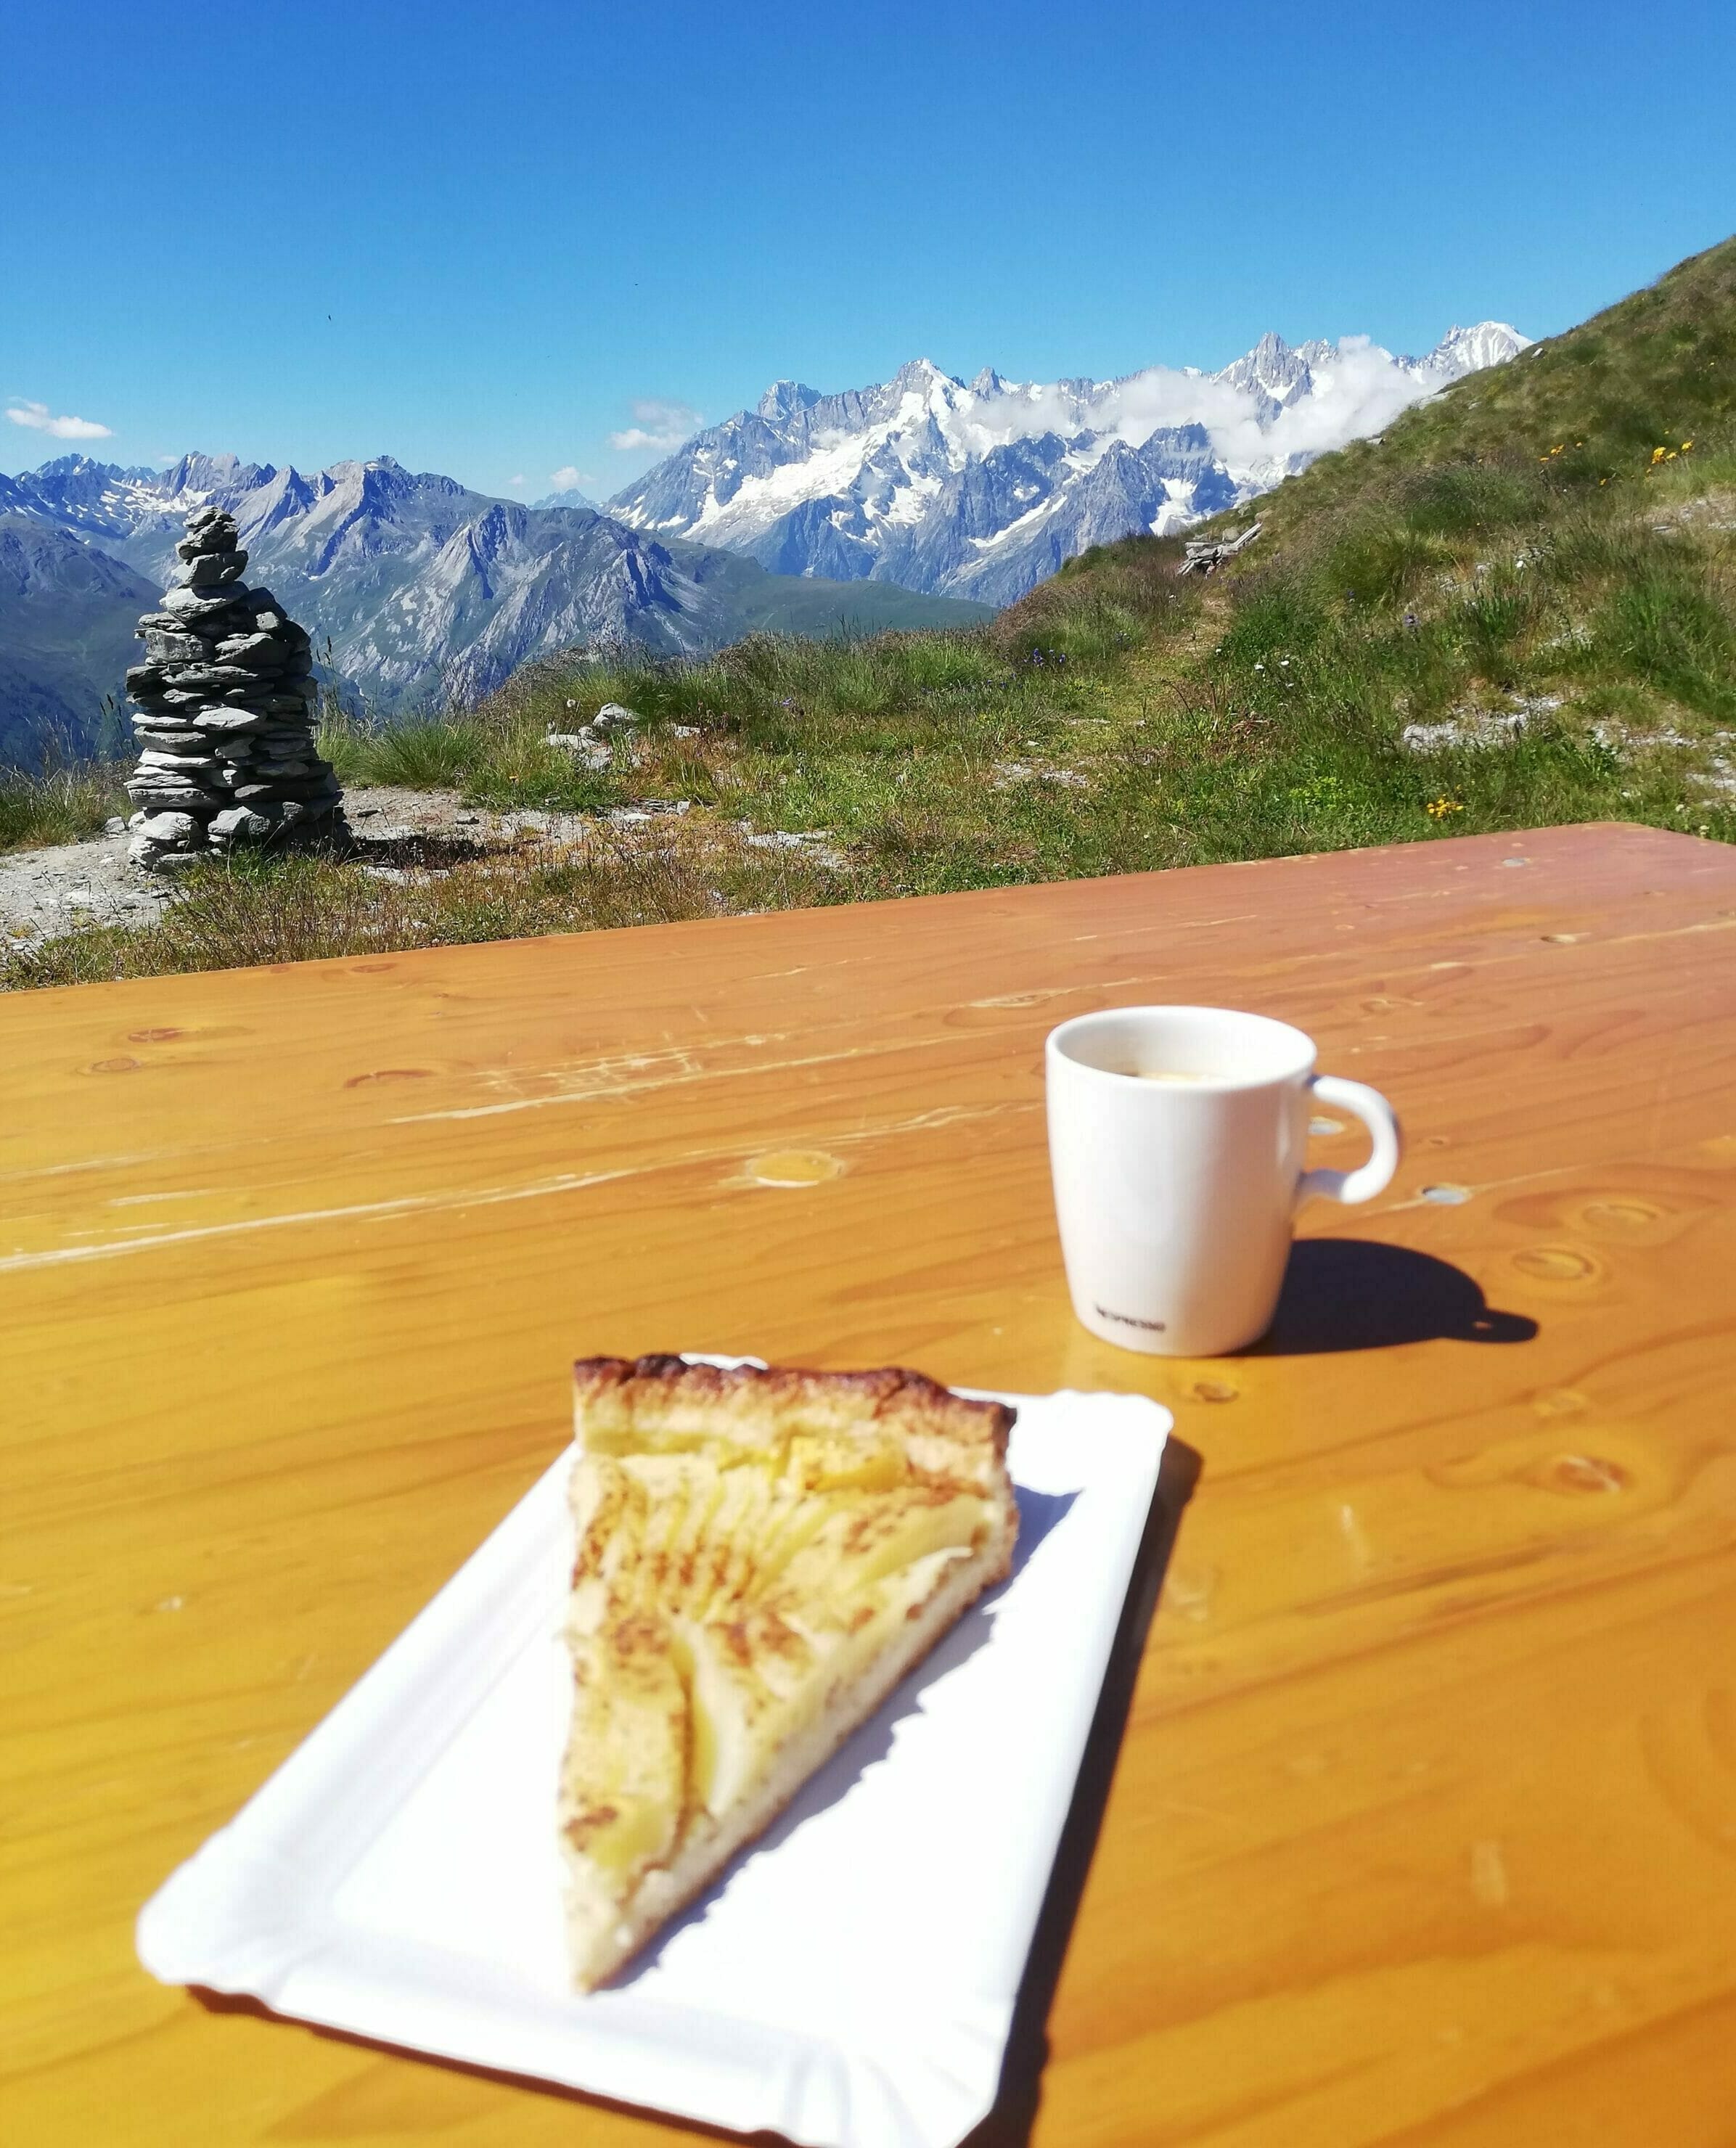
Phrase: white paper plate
{"type": "Point", "coordinates": [849, 1983]}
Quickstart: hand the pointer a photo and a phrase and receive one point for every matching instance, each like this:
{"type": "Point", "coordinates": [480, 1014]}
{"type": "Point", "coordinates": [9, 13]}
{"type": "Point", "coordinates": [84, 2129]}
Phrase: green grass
{"type": "Point", "coordinates": [1538, 542]}
{"type": "Point", "coordinates": [303, 908]}
{"type": "Point", "coordinates": [66, 806]}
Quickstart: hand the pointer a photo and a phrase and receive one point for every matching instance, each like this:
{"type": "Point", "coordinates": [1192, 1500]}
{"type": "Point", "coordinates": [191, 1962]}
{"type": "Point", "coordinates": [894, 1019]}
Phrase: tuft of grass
{"type": "Point", "coordinates": [68, 805]}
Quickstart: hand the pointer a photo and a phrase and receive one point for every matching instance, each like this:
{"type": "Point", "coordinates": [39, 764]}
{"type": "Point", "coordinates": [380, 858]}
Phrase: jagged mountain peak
{"type": "Point", "coordinates": [922, 373]}
{"type": "Point", "coordinates": [982, 490]}
{"type": "Point", "coordinates": [1470, 350]}
{"type": "Point", "coordinates": [785, 398]}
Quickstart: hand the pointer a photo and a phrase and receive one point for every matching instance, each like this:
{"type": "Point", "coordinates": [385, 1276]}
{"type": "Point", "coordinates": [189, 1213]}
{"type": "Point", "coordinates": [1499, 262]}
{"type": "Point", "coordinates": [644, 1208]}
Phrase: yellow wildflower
{"type": "Point", "coordinates": [1658, 453]}
{"type": "Point", "coordinates": [1438, 809]}
{"type": "Point", "coordinates": [1686, 445]}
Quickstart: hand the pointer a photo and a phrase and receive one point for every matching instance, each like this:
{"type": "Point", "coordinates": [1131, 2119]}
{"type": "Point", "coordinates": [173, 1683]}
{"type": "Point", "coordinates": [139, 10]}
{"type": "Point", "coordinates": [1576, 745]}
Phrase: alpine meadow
{"type": "Point", "coordinates": [1516, 606]}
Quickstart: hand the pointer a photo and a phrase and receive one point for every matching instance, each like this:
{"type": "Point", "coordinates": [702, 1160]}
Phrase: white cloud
{"type": "Point", "coordinates": [519, 480]}
{"type": "Point", "coordinates": [36, 417]}
{"type": "Point", "coordinates": [1358, 390]}
{"type": "Point", "coordinates": [570, 478]}
{"type": "Point", "coordinates": [663, 426]}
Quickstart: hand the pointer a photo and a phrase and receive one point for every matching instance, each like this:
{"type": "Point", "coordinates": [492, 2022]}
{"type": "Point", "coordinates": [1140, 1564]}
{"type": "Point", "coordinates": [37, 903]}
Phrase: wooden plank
{"type": "Point", "coordinates": [1425, 1826]}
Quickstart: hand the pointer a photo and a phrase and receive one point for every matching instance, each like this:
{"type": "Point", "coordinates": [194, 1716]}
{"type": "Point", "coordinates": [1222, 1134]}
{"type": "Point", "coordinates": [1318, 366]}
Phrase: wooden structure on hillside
{"type": "Point", "coordinates": [1206, 554]}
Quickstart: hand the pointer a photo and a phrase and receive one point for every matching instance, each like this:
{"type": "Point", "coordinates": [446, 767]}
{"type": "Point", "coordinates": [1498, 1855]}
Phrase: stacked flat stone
{"type": "Point", "coordinates": [223, 713]}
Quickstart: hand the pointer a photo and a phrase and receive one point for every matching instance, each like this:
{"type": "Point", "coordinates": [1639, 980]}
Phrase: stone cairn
{"type": "Point", "coordinates": [223, 714]}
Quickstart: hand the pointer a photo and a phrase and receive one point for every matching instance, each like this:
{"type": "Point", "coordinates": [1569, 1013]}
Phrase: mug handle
{"type": "Point", "coordinates": [1382, 1121]}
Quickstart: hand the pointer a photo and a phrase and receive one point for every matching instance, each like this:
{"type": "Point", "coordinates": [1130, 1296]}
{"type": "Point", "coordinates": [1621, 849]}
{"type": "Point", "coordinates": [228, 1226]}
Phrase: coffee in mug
{"type": "Point", "coordinates": [1178, 1140]}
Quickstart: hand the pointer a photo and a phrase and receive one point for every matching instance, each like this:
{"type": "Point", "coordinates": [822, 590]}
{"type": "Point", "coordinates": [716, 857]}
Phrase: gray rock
{"type": "Point", "coordinates": [590, 751]}
{"type": "Point", "coordinates": [240, 823]}
{"type": "Point", "coordinates": [255, 652]}
{"type": "Point", "coordinates": [210, 569]}
{"type": "Point", "coordinates": [612, 715]}
{"type": "Point", "coordinates": [153, 745]}
{"type": "Point", "coordinates": [161, 648]}
{"type": "Point", "coordinates": [154, 761]}
{"type": "Point", "coordinates": [202, 604]}
{"type": "Point", "coordinates": [223, 721]}
{"type": "Point", "coordinates": [160, 797]}
{"type": "Point", "coordinates": [170, 830]}
{"type": "Point", "coordinates": [114, 826]}
{"type": "Point", "coordinates": [215, 679]}
{"type": "Point", "coordinates": [158, 726]}
{"type": "Point", "coordinates": [1480, 728]}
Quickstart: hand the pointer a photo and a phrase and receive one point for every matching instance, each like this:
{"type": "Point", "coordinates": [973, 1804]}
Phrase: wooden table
{"type": "Point", "coordinates": [1424, 1828]}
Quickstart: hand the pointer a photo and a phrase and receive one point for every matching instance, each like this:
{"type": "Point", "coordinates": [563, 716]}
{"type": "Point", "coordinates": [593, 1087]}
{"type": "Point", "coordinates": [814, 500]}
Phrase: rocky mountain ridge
{"type": "Point", "coordinates": [414, 588]}
{"type": "Point", "coordinates": [982, 490]}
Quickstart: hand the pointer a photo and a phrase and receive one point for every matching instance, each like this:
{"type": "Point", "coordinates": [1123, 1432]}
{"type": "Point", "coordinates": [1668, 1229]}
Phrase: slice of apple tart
{"type": "Point", "coordinates": [762, 1555]}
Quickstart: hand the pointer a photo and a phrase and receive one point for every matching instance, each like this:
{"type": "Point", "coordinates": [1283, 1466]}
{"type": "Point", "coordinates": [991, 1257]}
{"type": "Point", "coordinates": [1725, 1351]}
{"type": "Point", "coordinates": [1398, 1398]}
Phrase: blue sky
{"type": "Point", "coordinates": [542, 235]}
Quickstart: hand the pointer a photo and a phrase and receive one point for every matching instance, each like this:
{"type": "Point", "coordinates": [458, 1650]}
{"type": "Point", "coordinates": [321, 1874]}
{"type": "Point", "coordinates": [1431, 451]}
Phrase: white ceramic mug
{"type": "Point", "coordinates": [1178, 1138]}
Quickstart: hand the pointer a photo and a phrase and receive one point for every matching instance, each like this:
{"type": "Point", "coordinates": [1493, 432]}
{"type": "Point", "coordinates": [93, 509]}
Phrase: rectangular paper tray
{"type": "Point", "coordinates": [849, 1983]}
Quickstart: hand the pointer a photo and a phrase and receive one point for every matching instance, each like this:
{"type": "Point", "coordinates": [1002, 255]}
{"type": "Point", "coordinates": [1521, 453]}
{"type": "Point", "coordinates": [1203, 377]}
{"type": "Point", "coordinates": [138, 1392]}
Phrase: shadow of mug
{"type": "Point", "coordinates": [1359, 1294]}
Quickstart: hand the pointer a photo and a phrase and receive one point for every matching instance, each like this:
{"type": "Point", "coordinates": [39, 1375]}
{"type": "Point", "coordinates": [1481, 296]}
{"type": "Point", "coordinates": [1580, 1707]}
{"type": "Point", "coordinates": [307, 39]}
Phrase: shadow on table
{"type": "Point", "coordinates": [1357, 1294]}
{"type": "Point", "coordinates": [1009, 2123]}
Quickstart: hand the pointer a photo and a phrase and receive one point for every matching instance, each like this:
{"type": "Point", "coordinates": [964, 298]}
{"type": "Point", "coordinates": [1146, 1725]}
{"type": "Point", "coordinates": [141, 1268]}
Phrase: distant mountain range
{"type": "Point", "coordinates": [982, 490]}
{"type": "Point", "coordinates": [67, 615]}
{"type": "Point", "coordinates": [414, 588]}
{"type": "Point", "coordinates": [910, 504]}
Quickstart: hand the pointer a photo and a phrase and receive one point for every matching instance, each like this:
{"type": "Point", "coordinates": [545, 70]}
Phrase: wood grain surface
{"type": "Point", "coordinates": [1424, 1828]}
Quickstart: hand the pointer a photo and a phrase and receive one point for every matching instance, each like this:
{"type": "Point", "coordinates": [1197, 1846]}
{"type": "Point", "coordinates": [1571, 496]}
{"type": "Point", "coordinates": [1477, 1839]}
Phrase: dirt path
{"type": "Point", "coordinates": [44, 893]}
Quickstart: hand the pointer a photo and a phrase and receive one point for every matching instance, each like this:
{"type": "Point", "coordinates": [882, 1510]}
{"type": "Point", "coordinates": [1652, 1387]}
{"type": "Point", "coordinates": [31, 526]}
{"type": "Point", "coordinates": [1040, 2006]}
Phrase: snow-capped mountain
{"type": "Point", "coordinates": [982, 490]}
{"type": "Point", "coordinates": [413, 587]}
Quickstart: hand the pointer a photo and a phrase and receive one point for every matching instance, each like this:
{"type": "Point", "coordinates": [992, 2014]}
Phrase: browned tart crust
{"type": "Point", "coordinates": [761, 1556]}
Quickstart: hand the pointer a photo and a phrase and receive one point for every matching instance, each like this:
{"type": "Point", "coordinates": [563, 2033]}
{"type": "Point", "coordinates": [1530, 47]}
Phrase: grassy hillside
{"type": "Point", "coordinates": [1532, 576]}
